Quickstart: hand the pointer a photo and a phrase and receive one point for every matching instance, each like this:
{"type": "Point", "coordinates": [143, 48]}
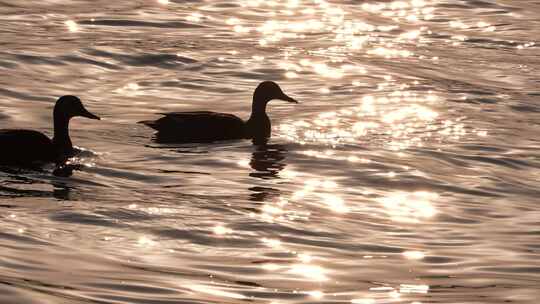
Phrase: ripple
{"type": "Point", "coordinates": [408, 173]}
{"type": "Point", "coordinates": [168, 61]}
{"type": "Point", "coordinates": [81, 218]}
{"type": "Point", "coordinates": [137, 23]}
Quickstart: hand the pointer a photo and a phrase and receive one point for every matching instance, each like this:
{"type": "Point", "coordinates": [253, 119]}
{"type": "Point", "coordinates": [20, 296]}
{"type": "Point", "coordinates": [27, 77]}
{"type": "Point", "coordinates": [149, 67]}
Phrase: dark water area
{"type": "Point", "coordinates": [409, 172]}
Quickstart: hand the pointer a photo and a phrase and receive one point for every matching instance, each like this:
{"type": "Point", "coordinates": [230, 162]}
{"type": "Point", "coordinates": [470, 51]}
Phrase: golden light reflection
{"type": "Point", "coordinates": [326, 155]}
{"type": "Point", "coordinates": [233, 21]}
{"type": "Point", "coordinates": [413, 255]}
{"type": "Point", "coordinates": [304, 257]}
{"type": "Point", "coordinates": [271, 266]}
{"type": "Point", "coordinates": [382, 288]}
{"type": "Point", "coordinates": [408, 10]}
{"type": "Point", "coordinates": [241, 29]}
{"type": "Point", "coordinates": [145, 241]}
{"type": "Point", "coordinates": [310, 272]}
{"type": "Point", "coordinates": [526, 45]}
{"type": "Point", "coordinates": [321, 190]}
{"type": "Point", "coordinates": [194, 17]}
{"type": "Point", "coordinates": [211, 290]}
{"type": "Point", "coordinates": [152, 210]}
{"type": "Point", "coordinates": [363, 301]}
{"type": "Point", "coordinates": [72, 26]}
{"type": "Point", "coordinates": [394, 294]}
{"type": "Point", "coordinates": [222, 230]}
{"type": "Point", "coordinates": [291, 75]}
{"type": "Point", "coordinates": [288, 173]}
{"type": "Point", "coordinates": [413, 111]}
{"type": "Point", "coordinates": [271, 213]}
{"type": "Point", "coordinates": [305, 269]}
{"type": "Point", "coordinates": [399, 119]}
{"type": "Point", "coordinates": [482, 133]}
{"type": "Point", "coordinates": [410, 206]}
{"type": "Point", "coordinates": [276, 211]}
{"type": "Point", "coordinates": [349, 34]}
{"type": "Point", "coordinates": [244, 163]}
{"type": "Point", "coordinates": [410, 288]}
{"type": "Point", "coordinates": [317, 294]}
{"type": "Point", "coordinates": [274, 243]}
{"type": "Point", "coordinates": [334, 202]}
{"type": "Point", "coordinates": [130, 89]}
{"type": "Point", "coordinates": [389, 53]}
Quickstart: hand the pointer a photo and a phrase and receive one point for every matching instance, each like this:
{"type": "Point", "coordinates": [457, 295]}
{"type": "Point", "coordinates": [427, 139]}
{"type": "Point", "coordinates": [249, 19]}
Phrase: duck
{"type": "Point", "coordinates": [30, 148]}
{"type": "Point", "coordinates": [207, 126]}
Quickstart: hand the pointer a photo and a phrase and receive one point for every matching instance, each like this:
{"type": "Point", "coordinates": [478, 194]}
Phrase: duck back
{"type": "Point", "coordinates": [25, 147]}
{"type": "Point", "coordinates": [200, 126]}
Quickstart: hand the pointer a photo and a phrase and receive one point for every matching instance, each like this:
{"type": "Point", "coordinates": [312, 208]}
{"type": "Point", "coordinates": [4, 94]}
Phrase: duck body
{"type": "Point", "coordinates": [25, 147]}
{"type": "Point", "coordinates": [28, 148]}
{"type": "Point", "coordinates": [206, 126]}
{"type": "Point", "coordinates": [199, 126]}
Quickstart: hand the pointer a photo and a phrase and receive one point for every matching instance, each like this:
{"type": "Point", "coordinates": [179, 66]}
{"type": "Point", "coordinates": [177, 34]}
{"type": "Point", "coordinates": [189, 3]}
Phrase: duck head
{"type": "Point", "coordinates": [258, 126]}
{"type": "Point", "coordinates": [266, 91]}
{"type": "Point", "coordinates": [70, 106]}
{"type": "Point", "coordinates": [66, 108]}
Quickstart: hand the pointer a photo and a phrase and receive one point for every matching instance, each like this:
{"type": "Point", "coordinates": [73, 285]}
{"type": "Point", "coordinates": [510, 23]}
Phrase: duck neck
{"type": "Point", "coordinates": [258, 108]}
{"type": "Point", "coordinates": [61, 134]}
{"type": "Point", "coordinates": [258, 125]}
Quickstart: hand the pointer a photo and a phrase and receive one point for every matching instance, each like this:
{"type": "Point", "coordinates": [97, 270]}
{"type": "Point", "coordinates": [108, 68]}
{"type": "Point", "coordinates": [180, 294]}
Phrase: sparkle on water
{"type": "Point", "coordinates": [394, 180]}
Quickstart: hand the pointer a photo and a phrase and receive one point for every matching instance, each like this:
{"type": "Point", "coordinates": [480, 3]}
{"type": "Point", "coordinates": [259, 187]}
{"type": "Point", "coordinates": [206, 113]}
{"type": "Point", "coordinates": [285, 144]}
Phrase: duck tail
{"type": "Point", "coordinates": [150, 123]}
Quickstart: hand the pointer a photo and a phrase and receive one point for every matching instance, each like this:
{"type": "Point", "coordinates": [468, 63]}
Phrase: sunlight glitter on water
{"type": "Point", "coordinates": [153, 209]}
{"type": "Point", "coordinates": [392, 97]}
{"type": "Point", "coordinates": [317, 294]}
{"type": "Point", "coordinates": [334, 202]}
{"type": "Point", "coordinates": [273, 243]}
{"type": "Point", "coordinates": [145, 241]}
{"type": "Point", "coordinates": [222, 230]}
{"type": "Point", "coordinates": [363, 301]}
{"type": "Point", "coordinates": [410, 288]}
{"type": "Point", "coordinates": [321, 191]}
{"type": "Point", "coordinates": [211, 290]}
{"type": "Point", "coordinates": [413, 255]}
{"type": "Point", "coordinates": [410, 207]}
{"type": "Point", "coordinates": [405, 117]}
{"type": "Point", "coordinates": [310, 272]}
{"type": "Point", "coordinates": [72, 26]}
{"type": "Point", "coordinates": [350, 34]}
{"type": "Point", "coordinates": [194, 17]}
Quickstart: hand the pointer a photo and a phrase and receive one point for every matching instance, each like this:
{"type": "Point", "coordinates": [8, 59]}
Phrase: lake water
{"type": "Point", "coordinates": [409, 173]}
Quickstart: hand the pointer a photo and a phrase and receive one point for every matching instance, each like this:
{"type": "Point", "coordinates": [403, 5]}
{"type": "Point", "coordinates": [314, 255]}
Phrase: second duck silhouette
{"type": "Point", "coordinates": [29, 148]}
{"type": "Point", "coordinates": [205, 126]}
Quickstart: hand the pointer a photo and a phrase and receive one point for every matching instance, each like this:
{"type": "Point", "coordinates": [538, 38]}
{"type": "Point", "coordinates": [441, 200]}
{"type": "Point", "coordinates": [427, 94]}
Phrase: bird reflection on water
{"type": "Point", "coordinates": [267, 161]}
{"type": "Point", "coordinates": [16, 184]}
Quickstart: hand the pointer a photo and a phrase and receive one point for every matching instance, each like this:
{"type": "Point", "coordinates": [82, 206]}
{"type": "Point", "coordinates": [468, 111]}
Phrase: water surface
{"type": "Point", "coordinates": [409, 173]}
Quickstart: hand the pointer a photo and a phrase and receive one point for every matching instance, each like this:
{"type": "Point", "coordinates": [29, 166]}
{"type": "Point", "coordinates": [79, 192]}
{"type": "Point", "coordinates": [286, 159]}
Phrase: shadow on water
{"type": "Point", "coordinates": [60, 192]}
{"type": "Point", "coordinates": [16, 184]}
{"type": "Point", "coordinates": [267, 160]}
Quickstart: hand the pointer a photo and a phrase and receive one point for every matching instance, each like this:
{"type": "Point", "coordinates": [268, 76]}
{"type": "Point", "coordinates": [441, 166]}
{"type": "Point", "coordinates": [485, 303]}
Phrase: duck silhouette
{"type": "Point", "coordinates": [29, 148]}
{"type": "Point", "coordinates": [205, 126]}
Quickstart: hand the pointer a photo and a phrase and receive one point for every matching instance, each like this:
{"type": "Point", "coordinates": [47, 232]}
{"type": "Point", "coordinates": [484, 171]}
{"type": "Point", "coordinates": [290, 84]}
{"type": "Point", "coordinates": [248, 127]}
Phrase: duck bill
{"type": "Point", "coordinates": [288, 99]}
{"type": "Point", "coordinates": [87, 114]}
